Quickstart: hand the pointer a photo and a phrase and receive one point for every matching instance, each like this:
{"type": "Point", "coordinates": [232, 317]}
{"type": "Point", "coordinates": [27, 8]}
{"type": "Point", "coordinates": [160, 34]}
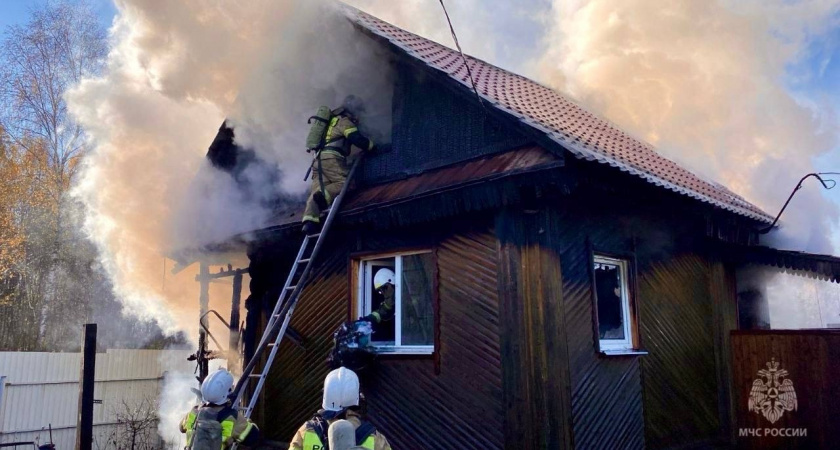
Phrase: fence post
{"type": "Point", "coordinates": [84, 423]}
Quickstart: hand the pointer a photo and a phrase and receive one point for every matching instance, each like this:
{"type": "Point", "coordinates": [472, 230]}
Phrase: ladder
{"type": "Point", "coordinates": [278, 323]}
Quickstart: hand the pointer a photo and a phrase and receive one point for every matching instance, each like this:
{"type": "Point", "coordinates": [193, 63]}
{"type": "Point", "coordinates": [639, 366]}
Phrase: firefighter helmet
{"type": "Point", "coordinates": [216, 387]}
{"type": "Point", "coordinates": [383, 277]}
{"type": "Point", "coordinates": [341, 390]}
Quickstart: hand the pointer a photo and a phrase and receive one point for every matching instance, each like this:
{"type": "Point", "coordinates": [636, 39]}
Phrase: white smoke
{"type": "Point", "coordinates": [705, 82]}
{"type": "Point", "coordinates": [175, 71]}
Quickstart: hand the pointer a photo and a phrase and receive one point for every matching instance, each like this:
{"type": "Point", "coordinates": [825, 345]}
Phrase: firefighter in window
{"type": "Point", "coordinates": [383, 283]}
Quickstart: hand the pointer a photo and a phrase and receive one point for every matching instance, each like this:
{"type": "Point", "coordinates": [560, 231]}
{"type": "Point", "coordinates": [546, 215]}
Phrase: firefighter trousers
{"type": "Point", "coordinates": [332, 170]}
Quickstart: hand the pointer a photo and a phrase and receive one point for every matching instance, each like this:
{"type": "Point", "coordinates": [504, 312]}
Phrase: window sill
{"type": "Point", "coordinates": [628, 352]}
{"type": "Point", "coordinates": [401, 351]}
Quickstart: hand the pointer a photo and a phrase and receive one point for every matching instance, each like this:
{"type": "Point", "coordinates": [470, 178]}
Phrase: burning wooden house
{"type": "Point", "coordinates": [560, 284]}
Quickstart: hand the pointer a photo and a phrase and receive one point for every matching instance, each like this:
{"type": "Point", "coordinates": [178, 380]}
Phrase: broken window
{"type": "Point", "coordinates": [613, 304]}
{"type": "Point", "coordinates": [406, 313]}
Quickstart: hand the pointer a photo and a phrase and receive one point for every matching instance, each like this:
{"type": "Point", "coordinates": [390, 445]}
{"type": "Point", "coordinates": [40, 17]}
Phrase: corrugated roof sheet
{"type": "Point", "coordinates": [581, 132]}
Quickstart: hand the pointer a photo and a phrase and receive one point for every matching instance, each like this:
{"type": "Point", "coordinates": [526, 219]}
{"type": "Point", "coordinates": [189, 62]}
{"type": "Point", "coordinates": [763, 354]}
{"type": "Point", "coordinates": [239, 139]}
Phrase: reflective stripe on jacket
{"type": "Point", "coordinates": [303, 441]}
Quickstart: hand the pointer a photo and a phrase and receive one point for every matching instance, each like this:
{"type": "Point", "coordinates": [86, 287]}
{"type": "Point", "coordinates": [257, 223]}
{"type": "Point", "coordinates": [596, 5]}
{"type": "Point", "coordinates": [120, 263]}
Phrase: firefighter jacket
{"type": "Point", "coordinates": [231, 425]}
{"type": "Point", "coordinates": [307, 438]}
{"type": "Point", "coordinates": [342, 134]}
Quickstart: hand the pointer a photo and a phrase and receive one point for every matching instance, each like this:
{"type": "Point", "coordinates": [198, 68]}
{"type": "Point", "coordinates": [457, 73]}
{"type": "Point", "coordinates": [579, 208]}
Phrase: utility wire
{"type": "Point", "coordinates": [458, 46]}
{"type": "Point", "coordinates": [827, 183]}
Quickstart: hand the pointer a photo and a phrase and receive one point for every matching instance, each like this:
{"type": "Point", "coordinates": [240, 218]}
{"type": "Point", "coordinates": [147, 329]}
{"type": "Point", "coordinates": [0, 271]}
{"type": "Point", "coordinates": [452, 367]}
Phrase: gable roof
{"type": "Point", "coordinates": [579, 131]}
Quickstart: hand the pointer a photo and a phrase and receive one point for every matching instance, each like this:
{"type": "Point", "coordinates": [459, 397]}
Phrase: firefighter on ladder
{"type": "Point", "coordinates": [329, 168]}
{"type": "Point", "coordinates": [215, 424]}
{"type": "Point", "coordinates": [340, 402]}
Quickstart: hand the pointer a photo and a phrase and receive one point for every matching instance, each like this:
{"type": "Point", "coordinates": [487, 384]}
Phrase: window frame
{"type": "Point", "coordinates": [630, 345]}
{"type": "Point", "coordinates": [361, 304]}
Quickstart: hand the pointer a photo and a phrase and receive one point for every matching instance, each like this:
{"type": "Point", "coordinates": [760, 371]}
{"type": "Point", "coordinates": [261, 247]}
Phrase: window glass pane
{"type": "Point", "coordinates": [383, 332]}
{"type": "Point", "coordinates": [610, 311]}
{"type": "Point", "coordinates": [416, 297]}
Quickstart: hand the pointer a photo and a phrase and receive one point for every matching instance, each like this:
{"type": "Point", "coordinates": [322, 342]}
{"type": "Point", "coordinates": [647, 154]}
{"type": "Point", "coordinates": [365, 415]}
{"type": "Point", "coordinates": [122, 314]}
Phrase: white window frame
{"type": "Point", "coordinates": [617, 345]}
{"type": "Point", "coordinates": [364, 306]}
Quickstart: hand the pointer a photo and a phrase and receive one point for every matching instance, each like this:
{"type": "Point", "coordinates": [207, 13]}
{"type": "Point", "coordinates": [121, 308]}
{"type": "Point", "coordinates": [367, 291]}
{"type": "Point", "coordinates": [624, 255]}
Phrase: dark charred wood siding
{"type": "Point", "coordinates": [606, 392]}
{"type": "Point", "coordinates": [678, 393]}
{"type": "Point", "coordinates": [461, 407]}
{"type": "Point", "coordinates": [535, 363]}
{"type": "Point", "coordinates": [452, 400]}
{"type": "Point", "coordinates": [681, 385]}
{"type": "Point", "coordinates": [435, 127]}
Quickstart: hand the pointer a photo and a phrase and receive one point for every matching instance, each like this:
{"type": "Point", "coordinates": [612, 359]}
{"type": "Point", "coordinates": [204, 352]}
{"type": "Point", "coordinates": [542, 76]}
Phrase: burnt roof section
{"type": "Point", "coordinates": [481, 170]}
{"type": "Point", "coordinates": [577, 130]}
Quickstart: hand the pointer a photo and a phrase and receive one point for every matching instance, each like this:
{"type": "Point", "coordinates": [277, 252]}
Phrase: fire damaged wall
{"type": "Point", "coordinates": [433, 126]}
{"type": "Point", "coordinates": [678, 393]}
{"type": "Point", "coordinates": [456, 393]}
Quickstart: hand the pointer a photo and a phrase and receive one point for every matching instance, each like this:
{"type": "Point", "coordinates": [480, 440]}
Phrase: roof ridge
{"type": "Point", "coordinates": [562, 118]}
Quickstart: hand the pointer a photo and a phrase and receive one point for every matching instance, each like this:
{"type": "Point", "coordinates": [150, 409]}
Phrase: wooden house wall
{"type": "Point", "coordinates": [672, 396]}
{"type": "Point", "coordinates": [433, 126]}
{"type": "Point", "coordinates": [453, 400]}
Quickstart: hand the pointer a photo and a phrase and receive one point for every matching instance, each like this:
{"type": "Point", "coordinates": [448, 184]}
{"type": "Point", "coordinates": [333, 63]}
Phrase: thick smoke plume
{"type": "Point", "coordinates": [175, 72]}
{"type": "Point", "coordinates": [706, 82]}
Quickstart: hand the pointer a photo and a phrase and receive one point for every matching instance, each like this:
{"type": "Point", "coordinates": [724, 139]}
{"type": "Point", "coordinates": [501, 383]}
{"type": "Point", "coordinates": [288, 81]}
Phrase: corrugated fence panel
{"type": "Point", "coordinates": [42, 389]}
{"type": "Point", "coordinates": [461, 407]}
{"type": "Point", "coordinates": [681, 380]}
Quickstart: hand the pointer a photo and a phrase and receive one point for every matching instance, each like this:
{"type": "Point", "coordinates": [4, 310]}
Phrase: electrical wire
{"type": "Point", "coordinates": [827, 184]}
{"type": "Point", "coordinates": [458, 46]}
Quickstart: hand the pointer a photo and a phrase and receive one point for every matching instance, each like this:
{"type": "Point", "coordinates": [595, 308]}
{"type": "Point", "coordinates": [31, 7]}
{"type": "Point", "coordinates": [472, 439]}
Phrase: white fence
{"type": "Point", "coordinates": [42, 389]}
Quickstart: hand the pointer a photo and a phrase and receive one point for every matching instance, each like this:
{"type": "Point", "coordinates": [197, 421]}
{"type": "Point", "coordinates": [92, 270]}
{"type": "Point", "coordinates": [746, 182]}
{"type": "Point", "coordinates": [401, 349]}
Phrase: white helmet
{"type": "Point", "coordinates": [341, 390]}
{"type": "Point", "coordinates": [383, 277]}
{"type": "Point", "coordinates": [216, 387]}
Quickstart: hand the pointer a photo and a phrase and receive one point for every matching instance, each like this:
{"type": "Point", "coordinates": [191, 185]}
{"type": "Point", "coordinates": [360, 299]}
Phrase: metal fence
{"type": "Point", "coordinates": [41, 390]}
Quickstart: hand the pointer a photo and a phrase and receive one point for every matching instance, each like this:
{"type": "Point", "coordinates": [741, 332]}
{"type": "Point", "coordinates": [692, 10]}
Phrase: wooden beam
{"type": "Point", "coordinates": [84, 422]}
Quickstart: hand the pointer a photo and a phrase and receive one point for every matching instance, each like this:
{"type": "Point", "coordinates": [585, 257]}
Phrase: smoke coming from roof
{"type": "Point", "coordinates": [176, 70]}
{"type": "Point", "coordinates": [705, 82]}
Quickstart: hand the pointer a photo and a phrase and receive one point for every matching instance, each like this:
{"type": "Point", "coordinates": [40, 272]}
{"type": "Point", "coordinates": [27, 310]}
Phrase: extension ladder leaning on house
{"type": "Point", "coordinates": [282, 313]}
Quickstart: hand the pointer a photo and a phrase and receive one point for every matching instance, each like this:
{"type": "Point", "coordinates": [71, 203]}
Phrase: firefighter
{"type": "Point", "coordinates": [383, 282]}
{"type": "Point", "coordinates": [329, 168]}
{"type": "Point", "coordinates": [340, 402]}
{"type": "Point", "coordinates": [215, 424]}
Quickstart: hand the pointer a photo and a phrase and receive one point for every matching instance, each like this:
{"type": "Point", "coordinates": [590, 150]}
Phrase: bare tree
{"type": "Point", "coordinates": [136, 428]}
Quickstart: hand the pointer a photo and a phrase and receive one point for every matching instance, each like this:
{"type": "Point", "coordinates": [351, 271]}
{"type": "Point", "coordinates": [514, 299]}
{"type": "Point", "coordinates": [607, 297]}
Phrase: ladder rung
{"type": "Point", "coordinates": [291, 288]}
{"type": "Point", "coordinates": [272, 344]}
{"type": "Point", "coordinates": [311, 236]}
{"type": "Point", "coordinates": [255, 375]}
{"type": "Point", "coordinates": [304, 260]}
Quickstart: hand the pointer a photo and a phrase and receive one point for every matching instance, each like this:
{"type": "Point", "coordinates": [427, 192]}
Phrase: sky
{"type": "Point", "coordinates": [15, 12]}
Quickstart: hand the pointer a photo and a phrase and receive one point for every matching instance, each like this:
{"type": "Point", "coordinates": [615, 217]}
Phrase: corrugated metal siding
{"type": "Point", "coordinates": [43, 389]}
{"type": "Point", "coordinates": [680, 375]}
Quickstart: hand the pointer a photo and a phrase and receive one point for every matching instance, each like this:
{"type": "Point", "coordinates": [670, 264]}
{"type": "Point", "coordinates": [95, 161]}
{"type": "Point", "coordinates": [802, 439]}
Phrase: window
{"type": "Point", "coordinates": [407, 318]}
{"type": "Point", "coordinates": [614, 312]}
